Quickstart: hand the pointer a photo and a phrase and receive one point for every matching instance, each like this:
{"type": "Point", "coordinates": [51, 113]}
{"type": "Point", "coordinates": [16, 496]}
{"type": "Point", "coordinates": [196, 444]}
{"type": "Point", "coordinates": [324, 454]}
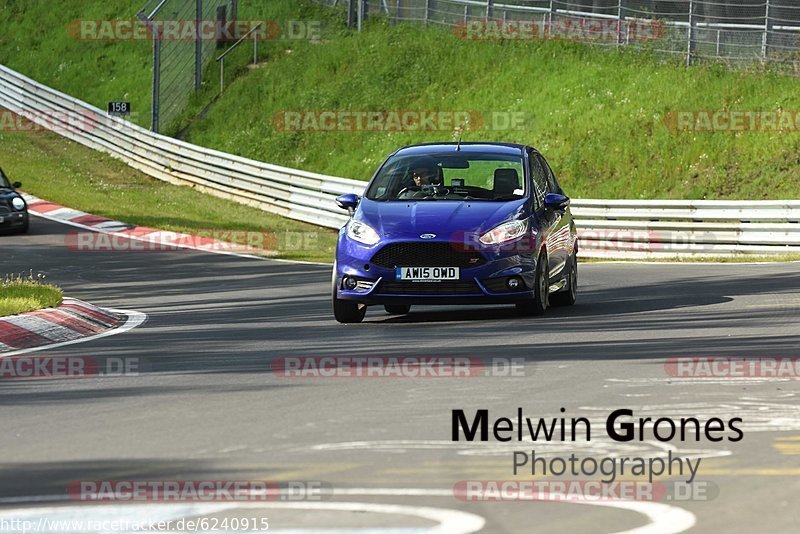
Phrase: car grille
{"type": "Point", "coordinates": [417, 254]}
{"type": "Point", "coordinates": [4, 210]}
{"type": "Point", "coordinates": [429, 288]}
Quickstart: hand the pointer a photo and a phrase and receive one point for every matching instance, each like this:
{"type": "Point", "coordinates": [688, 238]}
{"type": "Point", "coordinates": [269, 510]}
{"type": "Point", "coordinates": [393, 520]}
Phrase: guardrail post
{"type": "Point", "coordinates": [690, 32]}
{"type": "Point", "coordinates": [546, 31]}
{"type": "Point", "coordinates": [360, 12]}
{"type": "Point", "coordinates": [619, 22]}
{"type": "Point", "coordinates": [489, 9]}
{"type": "Point", "coordinates": [221, 75]}
{"type": "Point", "coordinates": [765, 40]}
{"type": "Point", "coordinates": [428, 10]}
{"type": "Point", "coordinates": [221, 59]}
{"type": "Point", "coordinates": [198, 46]}
{"type": "Point", "coordinates": [351, 13]}
{"type": "Point", "coordinates": [156, 78]}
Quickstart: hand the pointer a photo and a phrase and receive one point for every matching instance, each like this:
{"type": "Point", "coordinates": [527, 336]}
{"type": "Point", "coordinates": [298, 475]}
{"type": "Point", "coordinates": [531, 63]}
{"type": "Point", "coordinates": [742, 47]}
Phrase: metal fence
{"type": "Point", "coordinates": [607, 228]}
{"type": "Point", "coordinates": [734, 31]}
{"type": "Point", "coordinates": [178, 64]}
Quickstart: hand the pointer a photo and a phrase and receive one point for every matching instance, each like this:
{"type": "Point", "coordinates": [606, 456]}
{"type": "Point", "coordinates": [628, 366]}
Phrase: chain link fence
{"type": "Point", "coordinates": [733, 31]}
{"type": "Point", "coordinates": [180, 55]}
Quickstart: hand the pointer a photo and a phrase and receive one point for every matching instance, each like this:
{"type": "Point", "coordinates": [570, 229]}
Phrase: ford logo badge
{"type": "Point", "coordinates": [427, 236]}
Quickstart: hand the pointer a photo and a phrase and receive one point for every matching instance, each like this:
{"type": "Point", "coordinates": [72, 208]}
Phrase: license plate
{"type": "Point", "coordinates": [427, 274]}
{"type": "Point", "coordinates": [2, 220]}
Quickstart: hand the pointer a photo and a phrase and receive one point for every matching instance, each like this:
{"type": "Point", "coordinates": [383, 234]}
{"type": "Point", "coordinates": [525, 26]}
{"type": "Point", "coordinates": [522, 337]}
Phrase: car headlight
{"type": "Point", "coordinates": [18, 203]}
{"type": "Point", "coordinates": [504, 232]}
{"type": "Point", "coordinates": [362, 233]}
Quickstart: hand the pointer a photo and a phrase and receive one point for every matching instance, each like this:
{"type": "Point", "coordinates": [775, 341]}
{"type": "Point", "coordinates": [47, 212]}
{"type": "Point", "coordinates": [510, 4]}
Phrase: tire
{"type": "Point", "coordinates": [541, 293]}
{"type": "Point", "coordinates": [569, 294]}
{"type": "Point", "coordinates": [397, 309]}
{"type": "Point", "coordinates": [346, 311]}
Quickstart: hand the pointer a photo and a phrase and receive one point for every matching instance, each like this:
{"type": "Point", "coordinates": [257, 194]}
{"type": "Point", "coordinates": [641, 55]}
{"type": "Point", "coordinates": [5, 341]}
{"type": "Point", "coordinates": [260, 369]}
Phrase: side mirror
{"type": "Point", "coordinates": [16, 185]}
{"type": "Point", "coordinates": [348, 202]}
{"type": "Point", "coordinates": [556, 202]}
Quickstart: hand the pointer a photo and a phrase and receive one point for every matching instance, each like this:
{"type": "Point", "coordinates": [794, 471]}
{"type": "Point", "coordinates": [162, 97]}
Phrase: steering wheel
{"type": "Point", "coordinates": [407, 189]}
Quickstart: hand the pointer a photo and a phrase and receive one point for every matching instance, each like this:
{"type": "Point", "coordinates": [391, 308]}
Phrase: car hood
{"type": "Point", "coordinates": [441, 217]}
{"type": "Point", "coordinates": [8, 193]}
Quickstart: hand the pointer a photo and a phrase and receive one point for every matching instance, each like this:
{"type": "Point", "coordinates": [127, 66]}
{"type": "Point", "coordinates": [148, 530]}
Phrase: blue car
{"type": "Point", "coordinates": [457, 223]}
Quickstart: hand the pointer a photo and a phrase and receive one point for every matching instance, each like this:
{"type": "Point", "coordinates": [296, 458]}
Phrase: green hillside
{"type": "Point", "coordinates": [598, 115]}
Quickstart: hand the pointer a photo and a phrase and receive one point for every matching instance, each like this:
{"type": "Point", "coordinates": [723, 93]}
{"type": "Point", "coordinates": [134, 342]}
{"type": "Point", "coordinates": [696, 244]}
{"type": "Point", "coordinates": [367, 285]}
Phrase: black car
{"type": "Point", "coordinates": [13, 208]}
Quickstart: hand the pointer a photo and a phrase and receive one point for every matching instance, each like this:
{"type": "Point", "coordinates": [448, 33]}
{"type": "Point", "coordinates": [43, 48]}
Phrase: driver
{"type": "Point", "coordinates": [424, 174]}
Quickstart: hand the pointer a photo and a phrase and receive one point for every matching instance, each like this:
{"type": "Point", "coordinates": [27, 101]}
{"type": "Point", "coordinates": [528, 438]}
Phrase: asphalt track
{"type": "Point", "coordinates": [207, 406]}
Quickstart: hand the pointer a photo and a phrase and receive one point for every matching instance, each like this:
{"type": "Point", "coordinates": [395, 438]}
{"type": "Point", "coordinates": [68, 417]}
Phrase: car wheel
{"type": "Point", "coordinates": [347, 311]}
{"type": "Point", "coordinates": [541, 292]}
{"type": "Point", "coordinates": [569, 294]}
{"type": "Point", "coordinates": [397, 309]}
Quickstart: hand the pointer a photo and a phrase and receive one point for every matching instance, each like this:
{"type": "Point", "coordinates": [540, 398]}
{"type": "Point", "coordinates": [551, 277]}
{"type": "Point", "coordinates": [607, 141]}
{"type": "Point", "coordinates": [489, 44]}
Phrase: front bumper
{"type": "Point", "coordinates": [482, 284]}
{"type": "Point", "coordinates": [13, 220]}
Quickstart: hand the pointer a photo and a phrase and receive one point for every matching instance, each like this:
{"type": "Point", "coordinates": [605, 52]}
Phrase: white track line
{"type": "Point", "coordinates": [664, 518]}
{"type": "Point", "coordinates": [134, 319]}
{"type": "Point", "coordinates": [448, 521]}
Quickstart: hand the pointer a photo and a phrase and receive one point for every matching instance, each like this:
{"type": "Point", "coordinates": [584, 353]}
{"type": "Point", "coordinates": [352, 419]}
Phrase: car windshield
{"type": "Point", "coordinates": [3, 180]}
{"type": "Point", "coordinates": [450, 176]}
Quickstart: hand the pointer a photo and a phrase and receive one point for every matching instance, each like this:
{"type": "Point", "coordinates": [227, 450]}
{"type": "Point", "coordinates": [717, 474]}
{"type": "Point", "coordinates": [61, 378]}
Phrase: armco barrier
{"type": "Point", "coordinates": [609, 228]}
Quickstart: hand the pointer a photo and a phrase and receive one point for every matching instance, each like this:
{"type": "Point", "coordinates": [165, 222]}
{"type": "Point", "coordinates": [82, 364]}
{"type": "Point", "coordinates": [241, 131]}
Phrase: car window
{"type": "Point", "coordinates": [539, 175]}
{"type": "Point", "coordinates": [552, 183]}
{"type": "Point", "coordinates": [467, 176]}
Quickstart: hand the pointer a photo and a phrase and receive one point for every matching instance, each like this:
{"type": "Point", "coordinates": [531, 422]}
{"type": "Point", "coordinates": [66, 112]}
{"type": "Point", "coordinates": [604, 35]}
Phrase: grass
{"type": "Point", "coordinates": [35, 41]}
{"type": "Point", "coordinates": [21, 294]}
{"type": "Point", "coordinates": [61, 171]}
{"type": "Point", "coordinates": [598, 115]}
{"type": "Point", "coordinates": [39, 40]}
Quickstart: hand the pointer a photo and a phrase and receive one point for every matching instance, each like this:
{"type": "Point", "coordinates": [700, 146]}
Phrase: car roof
{"type": "Point", "coordinates": [438, 148]}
